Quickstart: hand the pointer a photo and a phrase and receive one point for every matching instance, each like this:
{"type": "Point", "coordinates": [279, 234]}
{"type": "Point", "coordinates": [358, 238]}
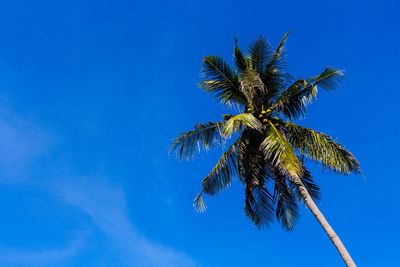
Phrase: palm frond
{"type": "Point", "coordinates": [261, 53]}
{"type": "Point", "coordinates": [236, 123]}
{"type": "Point", "coordinates": [286, 206]}
{"type": "Point", "coordinates": [329, 79]}
{"type": "Point", "coordinates": [281, 49]}
{"type": "Point", "coordinates": [253, 88]}
{"type": "Point", "coordinates": [198, 203]}
{"type": "Point", "coordinates": [204, 135]}
{"type": "Point", "coordinates": [290, 102]}
{"type": "Point", "coordinates": [259, 205]}
{"type": "Point", "coordinates": [222, 174]}
{"type": "Point", "coordinates": [293, 101]}
{"type": "Point", "coordinates": [221, 81]}
{"type": "Point", "coordinates": [322, 148]}
{"type": "Point", "coordinates": [275, 77]}
{"type": "Point", "coordinates": [280, 153]}
{"type": "Point", "coordinates": [240, 60]}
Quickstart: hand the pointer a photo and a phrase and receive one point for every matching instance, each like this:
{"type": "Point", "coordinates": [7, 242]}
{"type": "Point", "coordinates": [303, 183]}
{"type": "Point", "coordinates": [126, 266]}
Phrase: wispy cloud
{"type": "Point", "coordinates": [106, 205]}
{"type": "Point", "coordinates": [21, 144]}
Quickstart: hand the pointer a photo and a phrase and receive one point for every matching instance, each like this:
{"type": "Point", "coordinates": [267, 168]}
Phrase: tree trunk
{"type": "Point", "coordinates": [324, 223]}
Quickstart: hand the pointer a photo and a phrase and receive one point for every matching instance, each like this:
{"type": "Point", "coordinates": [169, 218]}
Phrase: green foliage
{"type": "Point", "coordinates": [221, 81]}
{"type": "Point", "coordinates": [204, 135]}
{"type": "Point", "coordinates": [270, 150]}
{"type": "Point", "coordinates": [259, 205]}
{"type": "Point", "coordinates": [260, 53]}
{"type": "Point", "coordinates": [286, 207]}
{"type": "Point", "coordinates": [280, 153]}
{"type": "Point", "coordinates": [236, 124]}
{"type": "Point", "coordinates": [240, 60]}
{"type": "Point", "coordinates": [219, 178]}
{"type": "Point", "coordinates": [322, 148]}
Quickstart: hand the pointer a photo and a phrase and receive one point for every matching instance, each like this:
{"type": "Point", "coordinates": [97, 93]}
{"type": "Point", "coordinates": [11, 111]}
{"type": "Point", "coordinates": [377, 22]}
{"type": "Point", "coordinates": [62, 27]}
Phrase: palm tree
{"type": "Point", "coordinates": [269, 153]}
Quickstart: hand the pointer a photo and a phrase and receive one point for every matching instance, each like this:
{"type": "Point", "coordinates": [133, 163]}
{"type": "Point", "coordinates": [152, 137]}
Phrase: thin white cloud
{"type": "Point", "coordinates": [21, 144]}
{"type": "Point", "coordinates": [106, 205]}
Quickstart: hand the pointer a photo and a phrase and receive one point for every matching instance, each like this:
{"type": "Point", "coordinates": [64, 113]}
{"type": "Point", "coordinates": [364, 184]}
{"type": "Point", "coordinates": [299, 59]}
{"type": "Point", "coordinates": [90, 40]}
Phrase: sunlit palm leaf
{"type": "Point", "coordinates": [236, 123]}
{"type": "Point", "coordinates": [322, 148]}
{"type": "Point", "coordinates": [278, 150]}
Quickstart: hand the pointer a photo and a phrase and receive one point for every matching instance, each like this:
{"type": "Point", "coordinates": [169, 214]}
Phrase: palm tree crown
{"type": "Point", "coordinates": [269, 153]}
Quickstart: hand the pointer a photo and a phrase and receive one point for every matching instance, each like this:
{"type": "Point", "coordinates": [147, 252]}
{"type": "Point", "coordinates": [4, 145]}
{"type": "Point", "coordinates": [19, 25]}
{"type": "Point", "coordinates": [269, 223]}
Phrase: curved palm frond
{"type": "Point", "coordinates": [221, 81]}
{"type": "Point", "coordinates": [329, 79]}
{"type": "Point", "coordinates": [236, 123]}
{"type": "Point", "coordinates": [280, 50]}
{"type": "Point", "coordinates": [259, 205]}
{"type": "Point", "coordinates": [260, 53]}
{"type": "Point", "coordinates": [293, 101]}
{"type": "Point", "coordinates": [280, 153]}
{"type": "Point", "coordinates": [274, 77]}
{"type": "Point", "coordinates": [240, 60]}
{"type": "Point", "coordinates": [286, 206]}
{"type": "Point", "coordinates": [290, 102]}
{"type": "Point", "coordinates": [219, 178]}
{"type": "Point", "coordinates": [204, 135]}
{"type": "Point", "coordinates": [322, 148]}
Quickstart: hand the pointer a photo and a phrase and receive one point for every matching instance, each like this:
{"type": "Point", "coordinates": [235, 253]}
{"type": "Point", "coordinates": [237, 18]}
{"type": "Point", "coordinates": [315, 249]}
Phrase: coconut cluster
{"type": "Point", "coordinates": [263, 116]}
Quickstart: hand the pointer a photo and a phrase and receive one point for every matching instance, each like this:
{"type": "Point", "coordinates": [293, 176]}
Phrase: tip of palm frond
{"type": "Point", "coordinates": [287, 34]}
{"type": "Point", "coordinates": [236, 39]}
{"type": "Point", "coordinates": [199, 204]}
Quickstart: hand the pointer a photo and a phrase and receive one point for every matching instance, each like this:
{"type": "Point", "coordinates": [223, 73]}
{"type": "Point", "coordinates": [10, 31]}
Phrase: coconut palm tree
{"type": "Point", "coordinates": [268, 155]}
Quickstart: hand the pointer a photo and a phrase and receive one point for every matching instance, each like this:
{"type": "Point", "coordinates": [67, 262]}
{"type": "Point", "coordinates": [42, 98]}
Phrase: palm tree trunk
{"type": "Point", "coordinates": [324, 223]}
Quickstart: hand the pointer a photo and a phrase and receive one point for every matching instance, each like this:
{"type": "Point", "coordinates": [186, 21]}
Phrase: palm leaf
{"type": "Point", "coordinates": [281, 49]}
{"type": "Point", "coordinates": [275, 77]}
{"type": "Point", "coordinates": [293, 101]}
{"type": "Point", "coordinates": [261, 53]}
{"type": "Point", "coordinates": [222, 174]}
{"type": "Point", "coordinates": [221, 81]}
{"type": "Point", "coordinates": [329, 79]}
{"type": "Point", "coordinates": [290, 102]}
{"type": "Point", "coordinates": [286, 206]}
{"type": "Point", "coordinates": [322, 148]}
{"type": "Point", "coordinates": [279, 152]}
{"type": "Point", "coordinates": [236, 123]}
{"type": "Point", "coordinates": [204, 135]}
{"type": "Point", "coordinates": [240, 60]}
{"type": "Point", "coordinates": [259, 205]}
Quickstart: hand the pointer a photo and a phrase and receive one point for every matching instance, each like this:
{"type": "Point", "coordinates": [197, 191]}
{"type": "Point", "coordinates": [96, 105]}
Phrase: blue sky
{"type": "Point", "coordinates": [92, 92]}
